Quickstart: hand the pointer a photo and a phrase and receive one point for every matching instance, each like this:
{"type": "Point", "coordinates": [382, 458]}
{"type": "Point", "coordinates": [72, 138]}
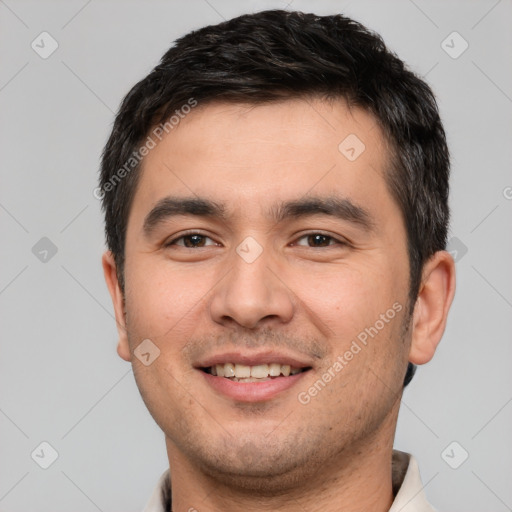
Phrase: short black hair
{"type": "Point", "coordinates": [276, 55]}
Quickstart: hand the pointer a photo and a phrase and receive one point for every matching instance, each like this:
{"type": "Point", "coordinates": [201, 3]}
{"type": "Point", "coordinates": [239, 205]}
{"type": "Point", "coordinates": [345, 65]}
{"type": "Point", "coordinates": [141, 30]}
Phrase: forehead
{"type": "Point", "coordinates": [247, 155]}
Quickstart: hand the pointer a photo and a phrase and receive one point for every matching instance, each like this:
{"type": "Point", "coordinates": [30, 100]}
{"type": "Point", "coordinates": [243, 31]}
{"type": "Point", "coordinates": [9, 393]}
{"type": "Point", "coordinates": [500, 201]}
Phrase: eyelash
{"type": "Point", "coordinates": [312, 233]}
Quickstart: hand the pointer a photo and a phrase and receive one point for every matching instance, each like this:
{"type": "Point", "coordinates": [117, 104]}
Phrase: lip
{"type": "Point", "coordinates": [251, 391]}
{"type": "Point", "coordinates": [268, 357]}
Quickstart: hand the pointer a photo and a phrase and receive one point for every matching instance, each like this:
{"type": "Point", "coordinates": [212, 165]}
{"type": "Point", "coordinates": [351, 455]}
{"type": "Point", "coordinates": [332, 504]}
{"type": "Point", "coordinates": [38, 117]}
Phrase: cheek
{"type": "Point", "coordinates": [161, 301]}
{"type": "Point", "coordinates": [347, 298]}
{"type": "Point", "coordinates": [359, 309]}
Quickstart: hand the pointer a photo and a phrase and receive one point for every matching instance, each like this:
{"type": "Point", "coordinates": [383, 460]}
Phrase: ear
{"type": "Point", "coordinates": [110, 272]}
{"type": "Point", "coordinates": [432, 305]}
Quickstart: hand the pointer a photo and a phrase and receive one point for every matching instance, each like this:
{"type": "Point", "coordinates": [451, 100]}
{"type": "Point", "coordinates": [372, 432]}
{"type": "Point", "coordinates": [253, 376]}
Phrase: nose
{"type": "Point", "coordinates": [252, 293]}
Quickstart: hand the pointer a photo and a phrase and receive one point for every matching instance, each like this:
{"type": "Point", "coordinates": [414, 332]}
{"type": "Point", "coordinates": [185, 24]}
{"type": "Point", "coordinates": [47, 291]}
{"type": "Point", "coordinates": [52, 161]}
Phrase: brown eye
{"type": "Point", "coordinates": [318, 240]}
{"type": "Point", "coordinates": [190, 241]}
{"type": "Point", "coordinates": [194, 240]}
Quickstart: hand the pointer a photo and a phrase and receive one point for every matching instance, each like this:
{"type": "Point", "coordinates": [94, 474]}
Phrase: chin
{"type": "Point", "coordinates": [262, 467]}
{"type": "Point", "coordinates": [266, 479]}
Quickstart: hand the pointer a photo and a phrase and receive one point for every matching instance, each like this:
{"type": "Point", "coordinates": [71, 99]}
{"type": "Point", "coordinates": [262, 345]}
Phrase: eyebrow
{"type": "Point", "coordinates": [334, 206]}
{"type": "Point", "coordinates": [169, 207]}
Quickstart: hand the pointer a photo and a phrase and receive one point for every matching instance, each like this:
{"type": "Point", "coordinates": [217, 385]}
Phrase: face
{"type": "Point", "coordinates": [261, 245]}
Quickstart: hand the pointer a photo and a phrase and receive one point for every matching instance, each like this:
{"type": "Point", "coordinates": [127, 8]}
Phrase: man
{"type": "Point", "coordinates": [275, 194]}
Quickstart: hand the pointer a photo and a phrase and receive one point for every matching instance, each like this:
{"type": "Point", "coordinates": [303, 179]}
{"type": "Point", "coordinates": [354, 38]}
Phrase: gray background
{"type": "Point", "coordinates": [61, 380]}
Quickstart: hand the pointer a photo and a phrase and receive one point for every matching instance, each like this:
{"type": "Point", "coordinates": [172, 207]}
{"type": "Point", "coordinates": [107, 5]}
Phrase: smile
{"type": "Point", "coordinates": [258, 373]}
{"type": "Point", "coordinates": [252, 383]}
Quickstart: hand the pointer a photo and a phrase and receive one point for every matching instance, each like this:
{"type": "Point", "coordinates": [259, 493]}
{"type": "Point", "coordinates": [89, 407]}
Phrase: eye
{"type": "Point", "coordinates": [318, 240]}
{"type": "Point", "coordinates": [190, 241]}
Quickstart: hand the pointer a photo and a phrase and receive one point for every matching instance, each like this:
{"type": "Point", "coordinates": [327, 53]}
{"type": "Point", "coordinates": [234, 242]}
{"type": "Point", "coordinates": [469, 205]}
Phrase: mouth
{"type": "Point", "coordinates": [252, 378]}
{"type": "Point", "coordinates": [237, 372]}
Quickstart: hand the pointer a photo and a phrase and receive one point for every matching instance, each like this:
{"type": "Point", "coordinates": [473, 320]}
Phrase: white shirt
{"type": "Point", "coordinates": [409, 494]}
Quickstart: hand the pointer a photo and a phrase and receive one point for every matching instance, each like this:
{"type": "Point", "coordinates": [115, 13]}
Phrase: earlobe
{"type": "Point", "coordinates": [110, 273]}
{"type": "Point", "coordinates": [435, 297]}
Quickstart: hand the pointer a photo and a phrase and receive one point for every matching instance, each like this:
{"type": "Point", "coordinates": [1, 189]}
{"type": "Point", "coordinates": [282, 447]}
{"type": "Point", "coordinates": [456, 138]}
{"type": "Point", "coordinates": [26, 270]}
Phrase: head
{"type": "Point", "coordinates": [303, 142]}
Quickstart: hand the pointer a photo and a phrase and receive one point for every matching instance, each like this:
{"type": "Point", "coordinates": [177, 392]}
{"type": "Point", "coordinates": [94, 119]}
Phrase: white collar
{"type": "Point", "coordinates": [410, 496]}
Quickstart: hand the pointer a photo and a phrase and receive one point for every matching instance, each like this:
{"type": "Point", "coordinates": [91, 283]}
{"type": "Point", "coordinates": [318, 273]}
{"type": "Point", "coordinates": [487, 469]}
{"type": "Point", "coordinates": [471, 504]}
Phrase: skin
{"type": "Point", "coordinates": [307, 297]}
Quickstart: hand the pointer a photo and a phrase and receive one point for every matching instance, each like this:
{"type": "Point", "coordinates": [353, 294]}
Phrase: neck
{"type": "Point", "coordinates": [357, 478]}
{"type": "Point", "coordinates": [354, 481]}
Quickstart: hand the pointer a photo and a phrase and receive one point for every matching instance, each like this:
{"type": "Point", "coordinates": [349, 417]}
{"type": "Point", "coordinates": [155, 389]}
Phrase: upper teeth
{"type": "Point", "coordinates": [259, 371]}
